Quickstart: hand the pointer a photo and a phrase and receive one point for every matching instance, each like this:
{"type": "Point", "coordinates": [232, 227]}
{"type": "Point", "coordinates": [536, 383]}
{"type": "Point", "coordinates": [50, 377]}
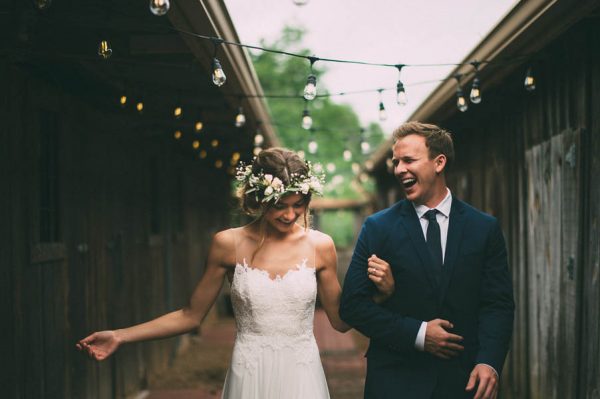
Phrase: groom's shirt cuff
{"type": "Point", "coordinates": [420, 341]}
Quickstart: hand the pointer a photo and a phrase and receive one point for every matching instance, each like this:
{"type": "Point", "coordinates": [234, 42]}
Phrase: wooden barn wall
{"type": "Point", "coordinates": [531, 159]}
{"type": "Point", "coordinates": [134, 218]}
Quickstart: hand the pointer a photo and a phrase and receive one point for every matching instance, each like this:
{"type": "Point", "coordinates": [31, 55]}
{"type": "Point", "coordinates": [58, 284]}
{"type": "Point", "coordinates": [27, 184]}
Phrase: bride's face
{"type": "Point", "coordinates": [283, 215]}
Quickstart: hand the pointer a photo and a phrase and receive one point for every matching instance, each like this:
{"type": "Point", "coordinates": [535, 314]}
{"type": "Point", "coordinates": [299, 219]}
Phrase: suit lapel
{"type": "Point", "coordinates": [455, 233]}
{"type": "Point", "coordinates": [410, 222]}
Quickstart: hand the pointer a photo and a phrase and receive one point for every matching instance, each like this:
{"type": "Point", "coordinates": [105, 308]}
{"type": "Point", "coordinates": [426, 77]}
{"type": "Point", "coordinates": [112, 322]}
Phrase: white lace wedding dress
{"type": "Point", "coordinates": [275, 354]}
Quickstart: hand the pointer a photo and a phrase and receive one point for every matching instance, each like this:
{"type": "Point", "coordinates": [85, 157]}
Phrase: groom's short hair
{"type": "Point", "coordinates": [437, 140]}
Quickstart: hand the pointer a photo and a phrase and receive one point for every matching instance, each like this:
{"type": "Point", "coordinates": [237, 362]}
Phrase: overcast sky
{"type": "Point", "coordinates": [381, 31]}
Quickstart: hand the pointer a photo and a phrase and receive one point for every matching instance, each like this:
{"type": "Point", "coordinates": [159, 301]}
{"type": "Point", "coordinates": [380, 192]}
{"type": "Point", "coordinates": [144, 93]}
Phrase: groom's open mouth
{"type": "Point", "coordinates": [408, 182]}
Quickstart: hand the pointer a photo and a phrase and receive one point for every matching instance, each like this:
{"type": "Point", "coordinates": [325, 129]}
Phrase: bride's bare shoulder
{"type": "Point", "coordinates": [320, 239]}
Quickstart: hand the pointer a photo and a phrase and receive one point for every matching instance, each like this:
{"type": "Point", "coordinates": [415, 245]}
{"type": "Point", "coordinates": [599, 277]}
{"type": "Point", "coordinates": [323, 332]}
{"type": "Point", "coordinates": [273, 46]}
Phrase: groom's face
{"type": "Point", "coordinates": [417, 173]}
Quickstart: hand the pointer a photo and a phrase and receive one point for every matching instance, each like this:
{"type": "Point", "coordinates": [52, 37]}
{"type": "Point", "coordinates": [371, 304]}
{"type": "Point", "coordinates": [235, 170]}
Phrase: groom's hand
{"type": "Point", "coordinates": [439, 342]}
{"type": "Point", "coordinates": [486, 380]}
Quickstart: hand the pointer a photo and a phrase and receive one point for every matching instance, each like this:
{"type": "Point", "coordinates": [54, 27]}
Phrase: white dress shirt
{"type": "Point", "coordinates": [443, 219]}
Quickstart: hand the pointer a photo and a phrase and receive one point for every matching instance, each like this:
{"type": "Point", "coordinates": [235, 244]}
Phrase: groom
{"type": "Point", "coordinates": [445, 330]}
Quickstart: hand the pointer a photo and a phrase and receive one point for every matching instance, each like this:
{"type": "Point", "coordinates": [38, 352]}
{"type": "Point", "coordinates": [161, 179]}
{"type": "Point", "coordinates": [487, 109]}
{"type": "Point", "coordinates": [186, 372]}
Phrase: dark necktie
{"type": "Point", "coordinates": [434, 242]}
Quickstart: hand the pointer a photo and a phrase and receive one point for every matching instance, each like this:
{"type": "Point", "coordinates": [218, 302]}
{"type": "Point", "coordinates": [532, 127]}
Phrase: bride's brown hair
{"type": "Point", "coordinates": [278, 162]}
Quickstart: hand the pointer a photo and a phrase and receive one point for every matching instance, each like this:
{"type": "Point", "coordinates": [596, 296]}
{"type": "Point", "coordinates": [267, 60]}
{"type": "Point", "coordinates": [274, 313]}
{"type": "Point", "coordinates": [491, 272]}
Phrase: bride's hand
{"type": "Point", "coordinates": [380, 273]}
{"type": "Point", "coordinates": [99, 345]}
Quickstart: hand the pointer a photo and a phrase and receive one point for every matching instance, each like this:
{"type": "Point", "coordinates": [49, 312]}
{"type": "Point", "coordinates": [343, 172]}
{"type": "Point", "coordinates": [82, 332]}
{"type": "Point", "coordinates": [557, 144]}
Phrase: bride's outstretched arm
{"type": "Point", "coordinates": [102, 344]}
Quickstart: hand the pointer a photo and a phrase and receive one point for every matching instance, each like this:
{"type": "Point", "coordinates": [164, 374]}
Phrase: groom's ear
{"type": "Point", "coordinates": [440, 163]}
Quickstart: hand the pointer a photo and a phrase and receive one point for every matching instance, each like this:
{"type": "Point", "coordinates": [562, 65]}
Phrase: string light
{"type": "Point", "coordinates": [347, 155]}
{"type": "Point", "coordinates": [159, 7]}
{"type": "Point", "coordinates": [214, 143]}
{"type": "Point", "coordinates": [42, 5]}
{"type": "Point", "coordinates": [461, 101]}
{"type": "Point", "coordinates": [218, 76]}
{"type": "Point", "coordinates": [218, 164]}
{"type": "Point", "coordinates": [313, 146]}
{"type": "Point", "coordinates": [178, 112]}
{"type": "Point", "coordinates": [196, 144]}
{"type": "Point", "coordinates": [202, 154]}
{"type": "Point", "coordinates": [240, 118]}
{"type": "Point", "coordinates": [257, 150]}
{"type": "Point", "coordinates": [382, 113]}
{"type": "Point", "coordinates": [400, 93]}
{"type": "Point", "coordinates": [140, 106]}
{"type": "Point", "coordinates": [475, 94]}
{"type": "Point", "coordinates": [198, 126]}
{"type": "Point", "coordinates": [310, 90]}
{"type": "Point", "coordinates": [306, 118]}
{"type": "Point", "coordinates": [104, 50]}
{"type": "Point", "coordinates": [177, 134]}
{"type": "Point", "coordinates": [258, 139]}
{"type": "Point", "coordinates": [123, 101]}
{"type": "Point", "coordinates": [529, 81]}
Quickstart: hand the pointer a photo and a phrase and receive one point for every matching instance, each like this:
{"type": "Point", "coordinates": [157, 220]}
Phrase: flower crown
{"type": "Point", "coordinates": [271, 188]}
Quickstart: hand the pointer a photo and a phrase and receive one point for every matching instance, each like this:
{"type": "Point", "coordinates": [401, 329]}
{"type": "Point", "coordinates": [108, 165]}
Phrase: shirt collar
{"type": "Point", "coordinates": [443, 207]}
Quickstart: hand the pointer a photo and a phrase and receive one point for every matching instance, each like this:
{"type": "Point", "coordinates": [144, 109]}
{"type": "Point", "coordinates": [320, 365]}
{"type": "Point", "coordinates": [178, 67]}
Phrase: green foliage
{"type": "Point", "coordinates": [335, 126]}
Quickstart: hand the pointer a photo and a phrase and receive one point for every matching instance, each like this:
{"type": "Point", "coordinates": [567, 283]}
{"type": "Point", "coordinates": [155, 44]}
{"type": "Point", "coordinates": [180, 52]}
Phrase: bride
{"type": "Point", "coordinates": [275, 267]}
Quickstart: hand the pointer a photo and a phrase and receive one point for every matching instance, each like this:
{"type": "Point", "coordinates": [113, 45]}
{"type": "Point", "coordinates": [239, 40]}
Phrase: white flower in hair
{"type": "Point", "coordinates": [269, 190]}
{"type": "Point", "coordinates": [304, 188]}
{"type": "Point", "coordinates": [277, 184]}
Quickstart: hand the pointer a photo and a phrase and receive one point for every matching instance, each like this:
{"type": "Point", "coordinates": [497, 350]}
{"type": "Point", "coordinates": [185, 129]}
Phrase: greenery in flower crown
{"type": "Point", "coordinates": [271, 188]}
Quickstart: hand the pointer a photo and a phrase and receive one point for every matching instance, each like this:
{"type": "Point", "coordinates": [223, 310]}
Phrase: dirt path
{"type": "Point", "coordinates": [199, 372]}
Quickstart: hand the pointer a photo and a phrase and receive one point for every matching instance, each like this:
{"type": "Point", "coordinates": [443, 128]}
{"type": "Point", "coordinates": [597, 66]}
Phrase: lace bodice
{"type": "Point", "coordinates": [275, 313]}
{"type": "Point", "coordinates": [283, 306]}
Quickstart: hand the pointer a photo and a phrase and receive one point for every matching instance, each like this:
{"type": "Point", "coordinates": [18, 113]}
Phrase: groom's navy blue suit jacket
{"type": "Point", "coordinates": [475, 294]}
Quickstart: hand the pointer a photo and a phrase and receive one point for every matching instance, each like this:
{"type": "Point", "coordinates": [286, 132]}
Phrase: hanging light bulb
{"type": "Point", "coordinates": [198, 126]}
{"type": "Point", "coordinates": [300, 2]}
{"type": "Point", "coordinates": [139, 106]}
{"type": "Point", "coordinates": [306, 120]}
{"type": "Point", "coordinates": [218, 76]}
{"type": "Point", "coordinates": [257, 150]}
{"type": "Point", "coordinates": [235, 156]}
{"type": "Point", "coordinates": [214, 143]}
{"type": "Point", "coordinates": [42, 4]}
{"type": "Point", "coordinates": [313, 146]}
{"type": "Point", "coordinates": [202, 154]}
{"type": "Point", "coordinates": [310, 90]}
{"type": "Point", "coordinates": [104, 50]}
{"type": "Point", "coordinates": [401, 94]}
{"type": "Point", "coordinates": [529, 81]}
{"type": "Point", "coordinates": [159, 7]}
{"type": "Point", "coordinates": [258, 139]}
{"type": "Point", "coordinates": [347, 155]}
{"type": "Point", "coordinates": [461, 101]}
{"type": "Point", "coordinates": [177, 112]}
{"type": "Point", "coordinates": [240, 118]}
{"type": "Point", "coordinates": [382, 113]}
{"type": "Point", "coordinates": [123, 101]}
{"type": "Point", "coordinates": [365, 147]}
{"type": "Point", "coordinates": [196, 144]}
{"type": "Point", "coordinates": [218, 164]}
{"type": "Point", "coordinates": [177, 134]}
{"type": "Point", "coordinates": [475, 95]}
